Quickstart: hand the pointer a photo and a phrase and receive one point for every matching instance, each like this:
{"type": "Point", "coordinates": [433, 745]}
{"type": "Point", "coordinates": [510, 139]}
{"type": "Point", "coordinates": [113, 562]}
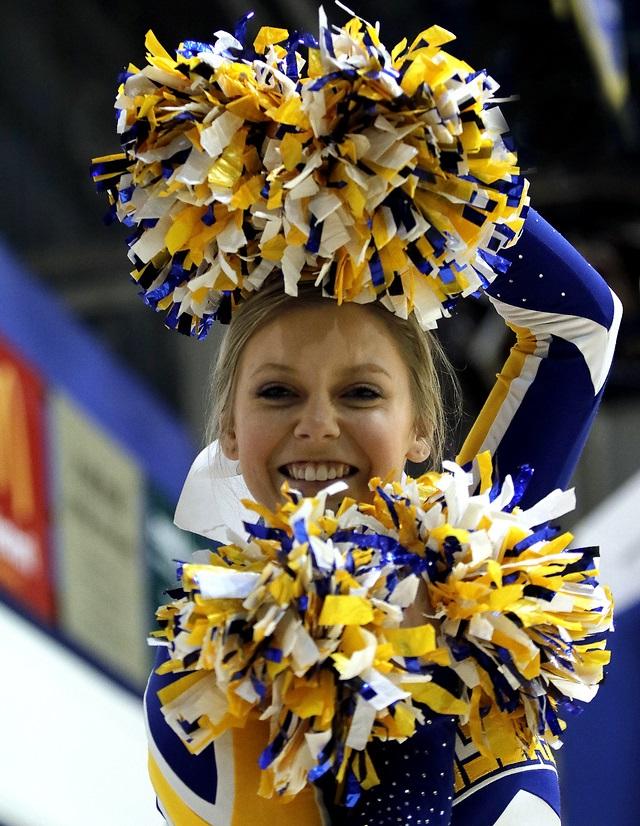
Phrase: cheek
{"type": "Point", "coordinates": [383, 440]}
{"type": "Point", "coordinates": [256, 440]}
{"type": "Point", "coordinates": [252, 443]}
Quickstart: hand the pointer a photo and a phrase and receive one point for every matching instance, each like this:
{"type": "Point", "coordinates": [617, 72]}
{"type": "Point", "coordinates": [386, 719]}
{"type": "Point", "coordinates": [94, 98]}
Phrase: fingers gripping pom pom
{"type": "Point", "coordinates": [377, 174]}
{"type": "Point", "coordinates": [311, 623]}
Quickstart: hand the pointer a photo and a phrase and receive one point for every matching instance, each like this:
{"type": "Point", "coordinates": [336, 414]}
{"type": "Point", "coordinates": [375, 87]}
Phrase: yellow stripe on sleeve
{"type": "Point", "coordinates": [525, 345]}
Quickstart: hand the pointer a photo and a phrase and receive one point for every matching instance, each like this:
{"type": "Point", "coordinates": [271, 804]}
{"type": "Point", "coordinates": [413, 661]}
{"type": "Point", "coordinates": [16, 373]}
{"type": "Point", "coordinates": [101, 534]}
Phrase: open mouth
{"type": "Point", "coordinates": [317, 471]}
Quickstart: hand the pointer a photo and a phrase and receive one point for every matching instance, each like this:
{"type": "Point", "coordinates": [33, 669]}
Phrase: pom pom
{"type": "Point", "coordinates": [378, 174]}
{"type": "Point", "coordinates": [340, 628]}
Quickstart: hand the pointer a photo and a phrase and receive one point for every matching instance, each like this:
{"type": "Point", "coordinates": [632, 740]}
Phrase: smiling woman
{"type": "Point", "coordinates": [308, 390]}
{"type": "Point", "coordinates": [305, 388]}
{"type": "Point", "coordinates": [332, 206]}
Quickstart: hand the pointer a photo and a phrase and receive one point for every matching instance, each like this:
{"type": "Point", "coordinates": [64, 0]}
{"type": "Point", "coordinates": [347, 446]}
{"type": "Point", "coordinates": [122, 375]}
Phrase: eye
{"type": "Point", "coordinates": [275, 392]}
{"type": "Point", "coordinates": [363, 392]}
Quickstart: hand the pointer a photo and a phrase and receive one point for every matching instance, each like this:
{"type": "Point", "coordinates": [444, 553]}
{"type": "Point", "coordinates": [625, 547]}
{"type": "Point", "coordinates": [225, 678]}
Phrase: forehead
{"type": "Point", "coordinates": [324, 337]}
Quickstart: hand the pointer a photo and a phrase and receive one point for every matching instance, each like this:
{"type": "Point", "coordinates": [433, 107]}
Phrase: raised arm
{"type": "Point", "coordinates": [565, 319]}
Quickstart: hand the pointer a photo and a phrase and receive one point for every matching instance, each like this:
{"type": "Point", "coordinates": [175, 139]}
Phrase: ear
{"type": "Point", "coordinates": [419, 449]}
{"type": "Point", "coordinates": [229, 445]}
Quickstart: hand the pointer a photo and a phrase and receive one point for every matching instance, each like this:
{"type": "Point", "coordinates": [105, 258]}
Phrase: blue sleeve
{"type": "Point", "coordinates": [565, 319]}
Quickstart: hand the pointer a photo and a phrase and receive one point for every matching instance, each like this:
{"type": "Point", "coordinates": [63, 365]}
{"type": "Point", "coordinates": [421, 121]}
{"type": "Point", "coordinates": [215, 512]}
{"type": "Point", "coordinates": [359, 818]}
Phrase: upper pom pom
{"type": "Point", "coordinates": [312, 623]}
{"type": "Point", "coordinates": [378, 174]}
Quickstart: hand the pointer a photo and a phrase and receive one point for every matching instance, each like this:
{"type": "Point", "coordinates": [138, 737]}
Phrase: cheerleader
{"type": "Point", "coordinates": [332, 209]}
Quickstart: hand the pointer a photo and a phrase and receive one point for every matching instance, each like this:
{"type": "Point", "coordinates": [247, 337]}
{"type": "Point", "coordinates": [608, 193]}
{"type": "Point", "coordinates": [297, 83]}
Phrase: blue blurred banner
{"type": "Point", "coordinates": [86, 453]}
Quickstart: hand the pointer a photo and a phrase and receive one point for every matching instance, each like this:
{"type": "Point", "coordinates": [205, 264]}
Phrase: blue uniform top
{"type": "Point", "coordinates": [539, 413]}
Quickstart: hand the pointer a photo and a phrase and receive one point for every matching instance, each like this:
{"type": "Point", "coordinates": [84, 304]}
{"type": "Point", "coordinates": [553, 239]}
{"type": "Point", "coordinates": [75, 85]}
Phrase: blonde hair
{"type": "Point", "coordinates": [421, 351]}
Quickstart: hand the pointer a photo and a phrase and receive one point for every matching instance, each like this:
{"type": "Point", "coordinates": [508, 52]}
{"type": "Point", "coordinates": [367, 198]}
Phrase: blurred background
{"type": "Point", "coordinates": [102, 410]}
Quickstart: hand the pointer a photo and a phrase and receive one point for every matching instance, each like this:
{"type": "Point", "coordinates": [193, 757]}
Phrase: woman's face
{"type": "Point", "coordinates": [322, 393]}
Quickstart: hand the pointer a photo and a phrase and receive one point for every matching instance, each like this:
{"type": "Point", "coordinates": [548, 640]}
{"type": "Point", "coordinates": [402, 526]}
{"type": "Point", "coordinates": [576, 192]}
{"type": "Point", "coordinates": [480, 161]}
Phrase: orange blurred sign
{"type": "Point", "coordinates": [24, 545]}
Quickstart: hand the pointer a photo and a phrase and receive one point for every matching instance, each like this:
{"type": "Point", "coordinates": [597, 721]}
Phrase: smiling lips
{"type": "Point", "coordinates": [317, 471]}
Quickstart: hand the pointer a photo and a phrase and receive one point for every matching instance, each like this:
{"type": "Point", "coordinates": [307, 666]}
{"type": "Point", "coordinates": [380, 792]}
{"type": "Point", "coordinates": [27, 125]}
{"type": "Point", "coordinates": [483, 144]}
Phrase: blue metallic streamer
{"type": "Point", "coordinates": [124, 195]}
{"type": "Point", "coordinates": [205, 325]}
{"type": "Point", "coordinates": [192, 48]}
{"type": "Point", "coordinates": [498, 263]}
{"type": "Point", "coordinates": [388, 500]}
{"type": "Point", "coordinates": [376, 270]}
{"type": "Point", "coordinates": [290, 61]}
{"type": "Point", "coordinates": [208, 218]}
{"type": "Point", "coordinates": [552, 721]}
{"type": "Point", "coordinates": [437, 240]}
{"type": "Point", "coordinates": [300, 530]}
{"type": "Point", "coordinates": [572, 707]}
{"type": "Point", "coordinates": [175, 277]}
{"type": "Point", "coordinates": [353, 790]}
{"type": "Point", "coordinates": [538, 592]}
{"type": "Point", "coordinates": [424, 174]}
{"type": "Point", "coordinates": [321, 82]}
{"type": "Point", "coordinates": [240, 29]}
{"type": "Point", "coordinates": [261, 531]}
{"type": "Point", "coordinates": [328, 41]}
{"type": "Point", "coordinates": [445, 274]}
{"type": "Point", "coordinates": [259, 686]}
{"type": "Point", "coordinates": [366, 691]}
{"type": "Point", "coordinates": [592, 639]}
{"type": "Point", "coordinates": [520, 485]}
{"type": "Point", "coordinates": [544, 533]}
{"type": "Point", "coordinates": [188, 727]}
{"type": "Point", "coordinates": [171, 318]}
{"type": "Point", "coordinates": [418, 260]}
{"type": "Point", "coordinates": [350, 564]}
{"type": "Point", "coordinates": [474, 216]}
{"type": "Point", "coordinates": [506, 697]}
{"type": "Point", "coordinates": [370, 45]}
{"type": "Point", "coordinates": [586, 562]}
{"type": "Point", "coordinates": [392, 580]}
{"type": "Point", "coordinates": [272, 750]}
{"type": "Point", "coordinates": [315, 235]}
{"type": "Point", "coordinates": [322, 768]}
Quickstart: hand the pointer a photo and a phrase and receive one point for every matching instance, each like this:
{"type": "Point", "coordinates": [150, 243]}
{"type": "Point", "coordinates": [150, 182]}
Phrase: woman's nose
{"type": "Point", "coordinates": [318, 420]}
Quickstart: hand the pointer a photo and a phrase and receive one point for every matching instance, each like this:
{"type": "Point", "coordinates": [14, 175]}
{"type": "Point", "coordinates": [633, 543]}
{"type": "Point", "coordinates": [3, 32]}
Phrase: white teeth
{"type": "Point", "coordinates": [317, 471]}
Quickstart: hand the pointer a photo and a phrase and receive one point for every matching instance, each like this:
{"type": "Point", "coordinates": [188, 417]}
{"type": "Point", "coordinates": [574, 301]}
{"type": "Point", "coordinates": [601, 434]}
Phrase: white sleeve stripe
{"type": "Point", "coordinates": [515, 396]}
{"type": "Point", "coordinates": [595, 342]}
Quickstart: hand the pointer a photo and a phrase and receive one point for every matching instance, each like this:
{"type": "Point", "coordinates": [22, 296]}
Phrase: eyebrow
{"type": "Point", "coordinates": [367, 366]}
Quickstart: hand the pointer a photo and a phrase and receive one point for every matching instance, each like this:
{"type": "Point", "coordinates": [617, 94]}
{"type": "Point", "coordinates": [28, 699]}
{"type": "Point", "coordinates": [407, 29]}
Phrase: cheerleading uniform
{"type": "Point", "coordinates": [539, 413]}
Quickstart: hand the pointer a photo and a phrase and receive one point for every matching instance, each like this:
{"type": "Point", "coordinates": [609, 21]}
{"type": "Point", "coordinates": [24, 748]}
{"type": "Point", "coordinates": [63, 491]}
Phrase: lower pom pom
{"type": "Point", "coordinates": [338, 628]}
